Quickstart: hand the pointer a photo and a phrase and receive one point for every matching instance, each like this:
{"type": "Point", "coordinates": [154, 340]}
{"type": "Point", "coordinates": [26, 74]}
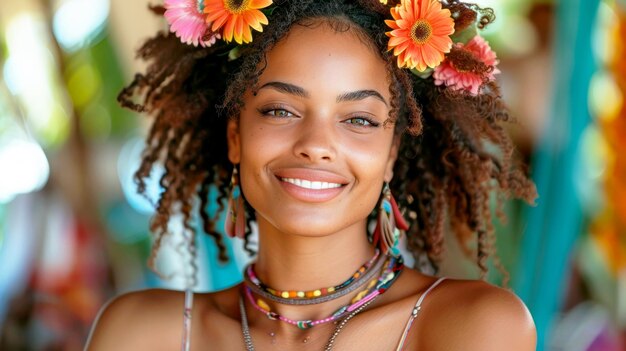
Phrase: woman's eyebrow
{"type": "Point", "coordinates": [360, 95]}
{"type": "Point", "coordinates": [301, 92]}
{"type": "Point", "coordinates": [286, 88]}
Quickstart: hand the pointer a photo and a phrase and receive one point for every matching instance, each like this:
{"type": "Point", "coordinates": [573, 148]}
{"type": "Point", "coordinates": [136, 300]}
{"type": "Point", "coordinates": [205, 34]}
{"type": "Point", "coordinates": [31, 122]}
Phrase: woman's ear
{"type": "Point", "coordinates": [234, 141]}
{"type": "Point", "coordinates": [393, 155]}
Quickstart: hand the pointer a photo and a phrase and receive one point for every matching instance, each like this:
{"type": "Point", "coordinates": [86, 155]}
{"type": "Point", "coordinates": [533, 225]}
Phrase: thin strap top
{"type": "Point", "coordinates": [415, 312]}
{"type": "Point", "coordinates": [186, 342]}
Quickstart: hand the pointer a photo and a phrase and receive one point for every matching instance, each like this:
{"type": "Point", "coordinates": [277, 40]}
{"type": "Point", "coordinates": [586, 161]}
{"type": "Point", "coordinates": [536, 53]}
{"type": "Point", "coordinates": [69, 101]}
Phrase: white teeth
{"type": "Point", "coordinates": [307, 184]}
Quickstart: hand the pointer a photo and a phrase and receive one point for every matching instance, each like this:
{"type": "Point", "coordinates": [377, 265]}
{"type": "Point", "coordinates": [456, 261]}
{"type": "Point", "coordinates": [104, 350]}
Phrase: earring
{"type": "Point", "coordinates": [235, 223]}
{"type": "Point", "coordinates": [390, 222]}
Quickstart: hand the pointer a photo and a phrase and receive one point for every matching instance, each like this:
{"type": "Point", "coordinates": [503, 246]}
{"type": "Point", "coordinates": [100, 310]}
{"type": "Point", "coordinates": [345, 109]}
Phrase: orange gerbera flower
{"type": "Point", "coordinates": [236, 17]}
{"type": "Point", "coordinates": [420, 33]}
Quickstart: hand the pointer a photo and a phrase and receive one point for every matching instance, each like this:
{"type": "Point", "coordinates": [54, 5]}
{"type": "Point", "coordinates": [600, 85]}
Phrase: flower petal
{"type": "Point", "coordinates": [247, 34]}
{"type": "Point", "coordinates": [238, 29]}
{"type": "Point", "coordinates": [229, 29]}
{"type": "Point", "coordinates": [432, 56]}
{"type": "Point", "coordinates": [442, 44]}
{"type": "Point", "coordinates": [259, 4]}
{"type": "Point", "coordinates": [261, 17]}
{"type": "Point", "coordinates": [391, 24]}
{"type": "Point", "coordinates": [219, 22]}
{"type": "Point", "coordinates": [401, 33]}
{"type": "Point", "coordinates": [253, 21]}
{"type": "Point", "coordinates": [404, 24]}
{"type": "Point", "coordinates": [395, 41]}
{"type": "Point", "coordinates": [212, 17]}
{"type": "Point", "coordinates": [424, 8]}
{"type": "Point", "coordinates": [401, 48]}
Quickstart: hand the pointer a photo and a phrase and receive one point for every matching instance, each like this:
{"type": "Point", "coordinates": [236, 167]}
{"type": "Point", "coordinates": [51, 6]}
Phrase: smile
{"type": "Point", "coordinates": [308, 184]}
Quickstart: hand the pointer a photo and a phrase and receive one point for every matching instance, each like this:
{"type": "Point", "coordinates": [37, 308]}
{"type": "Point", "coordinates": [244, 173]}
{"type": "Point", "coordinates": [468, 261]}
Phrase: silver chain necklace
{"type": "Point", "coordinates": [247, 338]}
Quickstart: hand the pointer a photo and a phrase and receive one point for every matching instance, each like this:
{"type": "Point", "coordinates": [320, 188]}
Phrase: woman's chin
{"type": "Point", "coordinates": [309, 226]}
{"type": "Point", "coordinates": [308, 229]}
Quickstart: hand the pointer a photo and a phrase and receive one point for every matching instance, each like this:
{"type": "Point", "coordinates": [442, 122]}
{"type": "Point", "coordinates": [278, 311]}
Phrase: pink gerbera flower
{"type": "Point", "coordinates": [455, 76]}
{"type": "Point", "coordinates": [188, 22]}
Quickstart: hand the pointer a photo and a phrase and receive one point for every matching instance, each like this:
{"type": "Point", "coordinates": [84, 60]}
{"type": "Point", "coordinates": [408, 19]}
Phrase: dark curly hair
{"type": "Point", "coordinates": [454, 153]}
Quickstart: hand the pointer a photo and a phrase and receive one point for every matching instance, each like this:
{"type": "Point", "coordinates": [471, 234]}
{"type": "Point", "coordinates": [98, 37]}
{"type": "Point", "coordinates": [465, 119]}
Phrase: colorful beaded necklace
{"type": "Point", "coordinates": [364, 274]}
{"type": "Point", "coordinates": [393, 268]}
{"type": "Point", "coordinates": [247, 338]}
{"type": "Point", "coordinates": [293, 294]}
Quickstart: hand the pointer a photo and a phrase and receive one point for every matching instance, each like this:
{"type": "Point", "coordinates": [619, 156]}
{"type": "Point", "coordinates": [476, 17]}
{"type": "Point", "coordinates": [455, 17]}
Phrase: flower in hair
{"type": "Point", "coordinates": [420, 35]}
{"type": "Point", "coordinates": [235, 18]}
{"type": "Point", "coordinates": [187, 21]}
{"type": "Point", "coordinates": [468, 66]}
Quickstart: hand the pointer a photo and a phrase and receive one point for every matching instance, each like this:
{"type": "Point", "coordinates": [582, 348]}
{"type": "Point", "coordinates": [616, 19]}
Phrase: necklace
{"type": "Point", "coordinates": [292, 297]}
{"type": "Point", "coordinates": [342, 324]}
{"type": "Point", "coordinates": [247, 338]}
{"type": "Point", "coordinates": [376, 287]}
{"type": "Point", "coordinates": [366, 273]}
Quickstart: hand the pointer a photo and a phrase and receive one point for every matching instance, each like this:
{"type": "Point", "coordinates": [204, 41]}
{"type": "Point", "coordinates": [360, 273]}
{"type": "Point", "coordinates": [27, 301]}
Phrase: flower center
{"type": "Point", "coordinates": [236, 6]}
{"type": "Point", "coordinates": [421, 31]}
{"type": "Point", "coordinates": [464, 61]}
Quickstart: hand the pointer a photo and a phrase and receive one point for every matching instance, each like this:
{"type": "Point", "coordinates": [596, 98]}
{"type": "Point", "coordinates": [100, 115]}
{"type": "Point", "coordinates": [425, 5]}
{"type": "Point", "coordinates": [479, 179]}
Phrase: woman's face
{"type": "Point", "coordinates": [311, 141]}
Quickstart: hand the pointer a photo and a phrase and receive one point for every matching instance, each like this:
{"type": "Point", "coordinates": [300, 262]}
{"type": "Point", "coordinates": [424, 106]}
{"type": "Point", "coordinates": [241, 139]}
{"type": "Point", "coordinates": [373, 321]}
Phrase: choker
{"type": "Point", "coordinates": [362, 275]}
{"type": "Point", "coordinates": [393, 268]}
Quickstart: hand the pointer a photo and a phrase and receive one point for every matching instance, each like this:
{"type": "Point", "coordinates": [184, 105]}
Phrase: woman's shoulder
{"type": "Point", "coordinates": [474, 315]}
{"type": "Point", "coordinates": [123, 321]}
{"type": "Point", "coordinates": [149, 319]}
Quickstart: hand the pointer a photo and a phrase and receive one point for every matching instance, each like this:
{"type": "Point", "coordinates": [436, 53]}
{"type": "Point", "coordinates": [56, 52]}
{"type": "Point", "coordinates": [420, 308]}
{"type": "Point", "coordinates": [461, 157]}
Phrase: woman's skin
{"type": "Point", "coordinates": [318, 114]}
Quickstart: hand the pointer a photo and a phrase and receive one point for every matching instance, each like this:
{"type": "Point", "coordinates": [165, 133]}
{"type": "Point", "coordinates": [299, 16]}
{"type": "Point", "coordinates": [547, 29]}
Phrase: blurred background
{"type": "Point", "coordinates": [74, 233]}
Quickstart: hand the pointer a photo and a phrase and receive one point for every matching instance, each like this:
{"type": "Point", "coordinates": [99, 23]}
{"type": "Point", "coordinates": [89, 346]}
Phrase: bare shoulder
{"type": "Point", "coordinates": [474, 315]}
{"type": "Point", "coordinates": [125, 321]}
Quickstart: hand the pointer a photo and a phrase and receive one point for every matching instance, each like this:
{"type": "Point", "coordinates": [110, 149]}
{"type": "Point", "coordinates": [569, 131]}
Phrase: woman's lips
{"type": "Point", "coordinates": [310, 185]}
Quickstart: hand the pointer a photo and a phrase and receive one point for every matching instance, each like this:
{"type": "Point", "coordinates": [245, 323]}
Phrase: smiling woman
{"type": "Point", "coordinates": [315, 125]}
{"type": "Point", "coordinates": [331, 112]}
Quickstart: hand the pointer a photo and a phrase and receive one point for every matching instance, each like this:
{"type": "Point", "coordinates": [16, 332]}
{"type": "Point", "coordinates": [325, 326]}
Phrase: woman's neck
{"type": "Point", "coordinates": [303, 263]}
{"type": "Point", "coordinates": [293, 262]}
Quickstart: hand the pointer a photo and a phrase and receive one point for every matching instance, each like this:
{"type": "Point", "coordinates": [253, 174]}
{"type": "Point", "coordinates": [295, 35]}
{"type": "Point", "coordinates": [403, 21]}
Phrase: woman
{"type": "Point", "coordinates": [321, 119]}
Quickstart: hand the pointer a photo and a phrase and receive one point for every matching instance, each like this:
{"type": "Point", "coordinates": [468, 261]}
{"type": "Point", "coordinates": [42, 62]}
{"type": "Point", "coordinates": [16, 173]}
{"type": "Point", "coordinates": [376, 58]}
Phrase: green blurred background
{"type": "Point", "coordinates": [74, 232]}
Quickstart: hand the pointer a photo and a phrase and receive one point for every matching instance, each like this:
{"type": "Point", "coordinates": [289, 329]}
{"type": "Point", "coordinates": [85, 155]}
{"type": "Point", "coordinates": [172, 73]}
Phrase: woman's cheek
{"type": "Point", "coordinates": [372, 154]}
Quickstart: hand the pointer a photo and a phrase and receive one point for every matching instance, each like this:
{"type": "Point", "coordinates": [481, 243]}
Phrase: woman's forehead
{"type": "Point", "coordinates": [320, 56]}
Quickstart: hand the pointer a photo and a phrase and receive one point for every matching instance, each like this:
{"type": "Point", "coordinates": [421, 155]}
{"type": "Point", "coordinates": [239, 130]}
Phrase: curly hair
{"type": "Point", "coordinates": [454, 153]}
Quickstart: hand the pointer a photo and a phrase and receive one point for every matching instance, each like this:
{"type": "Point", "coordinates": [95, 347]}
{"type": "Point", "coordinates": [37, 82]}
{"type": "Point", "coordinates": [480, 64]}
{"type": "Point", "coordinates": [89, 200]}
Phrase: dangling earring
{"type": "Point", "coordinates": [235, 223]}
{"type": "Point", "coordinates": [390, 222]}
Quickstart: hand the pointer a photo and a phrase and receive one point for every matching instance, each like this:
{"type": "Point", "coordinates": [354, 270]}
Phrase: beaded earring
{"type": "Point", "coordinates": [390, 222]}
{"type": "Point", "coordinates": [235, 223]}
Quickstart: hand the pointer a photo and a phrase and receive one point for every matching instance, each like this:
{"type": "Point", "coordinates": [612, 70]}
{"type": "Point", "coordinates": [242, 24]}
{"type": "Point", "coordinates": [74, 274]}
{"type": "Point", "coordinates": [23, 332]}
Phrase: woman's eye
{"type": "Point", "coordinates": [278, 113]}
{"type": "Point", "coordinates": [361, 122]}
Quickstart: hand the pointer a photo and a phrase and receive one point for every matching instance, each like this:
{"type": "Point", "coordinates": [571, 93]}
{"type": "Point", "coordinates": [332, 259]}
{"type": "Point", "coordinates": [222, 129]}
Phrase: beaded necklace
{"type": "Point", "coordinates": [392, 270]}
{"type": "Point", "coordinates": [364, 274]}
{"type": "Point", "coordinates": [293, 297]}
{"type": "Point", "coordinates": [247, 338]}
{"type": "Point", "coordinates": [396, 265]}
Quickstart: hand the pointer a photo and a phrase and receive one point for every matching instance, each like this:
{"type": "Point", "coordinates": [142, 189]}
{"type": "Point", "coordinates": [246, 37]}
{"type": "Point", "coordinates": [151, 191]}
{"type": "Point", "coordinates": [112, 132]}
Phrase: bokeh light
{"type": "Point", "coordinates": [30, 74]}
{"type": "Point", "coordinates": [128, 162]}
{"type": "Point", "coordinates": [76, 22]}
{"type": "Point", "coordinates": [24, 166]}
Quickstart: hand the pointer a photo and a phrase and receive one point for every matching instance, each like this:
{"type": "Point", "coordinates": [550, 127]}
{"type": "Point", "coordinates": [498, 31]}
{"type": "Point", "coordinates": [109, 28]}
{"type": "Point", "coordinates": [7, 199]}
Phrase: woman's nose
{"type": "Point", "coordinates": [316, 142]}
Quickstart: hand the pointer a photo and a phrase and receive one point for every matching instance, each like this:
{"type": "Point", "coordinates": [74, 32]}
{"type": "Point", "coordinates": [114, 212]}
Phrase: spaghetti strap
{"type": "Point", "coordinates": [415, 312]}
{"type": "Point", "coordinates": [186, 342]}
